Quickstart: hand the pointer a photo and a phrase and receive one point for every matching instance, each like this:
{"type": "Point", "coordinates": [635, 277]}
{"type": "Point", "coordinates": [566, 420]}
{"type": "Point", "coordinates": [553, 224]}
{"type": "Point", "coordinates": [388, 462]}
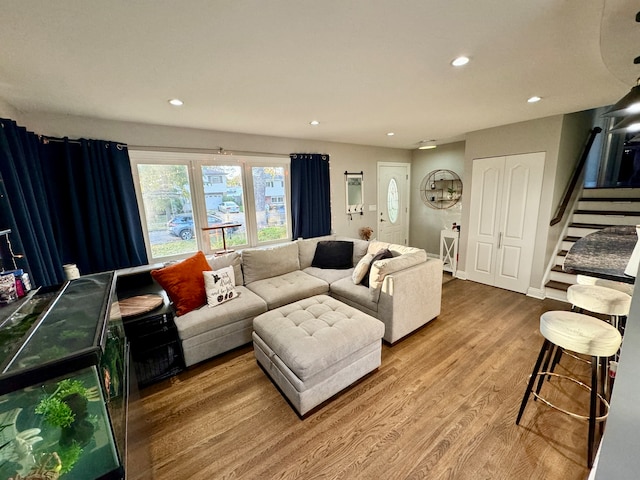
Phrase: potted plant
{"type": "Point", "coordinates": [365, 233]}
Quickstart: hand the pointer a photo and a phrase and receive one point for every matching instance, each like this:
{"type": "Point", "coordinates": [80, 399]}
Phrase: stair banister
{"type": "Point", "coordinates": [576, 176]}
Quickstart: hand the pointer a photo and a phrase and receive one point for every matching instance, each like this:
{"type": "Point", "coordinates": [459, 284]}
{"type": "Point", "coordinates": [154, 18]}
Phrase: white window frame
{"type": "Point", "coordinates": [194, 163]}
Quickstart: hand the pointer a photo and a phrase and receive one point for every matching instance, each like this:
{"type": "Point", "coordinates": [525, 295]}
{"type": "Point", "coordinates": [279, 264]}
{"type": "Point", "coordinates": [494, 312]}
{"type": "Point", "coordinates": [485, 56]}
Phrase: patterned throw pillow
{"type": "Point", "coordinates": [220, 286]}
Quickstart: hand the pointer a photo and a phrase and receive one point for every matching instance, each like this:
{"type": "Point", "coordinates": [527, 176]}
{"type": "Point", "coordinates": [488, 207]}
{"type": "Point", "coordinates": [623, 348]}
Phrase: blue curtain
{"type": "Point", "coordinates": [83, 210]}
{"type": "Point", "coordinates": [25, 205]}
{"type": "Point", "coordinates": [310, 195]}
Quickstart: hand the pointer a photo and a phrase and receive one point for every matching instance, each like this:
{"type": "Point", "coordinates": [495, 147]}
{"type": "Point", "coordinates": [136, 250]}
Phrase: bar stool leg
{"type": "Point", "coordinates": [604, 390]}
{"type": "Point", "coordinates": [592, 409]}
{"type": "Point", "coordinates": [552, 353]}
{"type": "Point", "coordinates": [532, 379]}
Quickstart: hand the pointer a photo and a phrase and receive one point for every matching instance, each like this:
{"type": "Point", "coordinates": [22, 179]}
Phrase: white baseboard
{"type": "Point", "coordinates": [461, 274]}
{"type": "Point", "coordinates": [538, 293]}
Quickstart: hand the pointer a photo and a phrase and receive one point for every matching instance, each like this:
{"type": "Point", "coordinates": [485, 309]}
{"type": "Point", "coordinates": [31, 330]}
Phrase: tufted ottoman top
{"type": "Point", "coordinates": [313, 334]}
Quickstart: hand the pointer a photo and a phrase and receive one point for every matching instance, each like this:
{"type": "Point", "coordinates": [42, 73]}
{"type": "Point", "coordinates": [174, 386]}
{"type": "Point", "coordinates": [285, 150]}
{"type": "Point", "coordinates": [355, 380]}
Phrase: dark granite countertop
{"type": "Point", "coordinates": [603, 254]}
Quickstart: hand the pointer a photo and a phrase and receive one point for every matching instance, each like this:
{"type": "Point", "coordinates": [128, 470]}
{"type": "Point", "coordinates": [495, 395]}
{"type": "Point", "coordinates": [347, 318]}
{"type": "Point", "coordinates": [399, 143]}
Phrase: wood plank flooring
{"type": "Point", "coordinates": [441, 406]}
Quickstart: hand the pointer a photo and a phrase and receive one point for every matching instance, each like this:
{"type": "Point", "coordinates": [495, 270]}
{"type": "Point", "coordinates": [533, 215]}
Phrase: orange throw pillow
{"type": "Point", "coordinates": [184, 282]}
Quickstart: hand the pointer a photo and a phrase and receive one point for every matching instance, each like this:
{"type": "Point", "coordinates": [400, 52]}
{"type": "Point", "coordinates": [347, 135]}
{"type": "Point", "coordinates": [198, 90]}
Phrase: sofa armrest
{"type": "Point", "coordinates": [410, 298]}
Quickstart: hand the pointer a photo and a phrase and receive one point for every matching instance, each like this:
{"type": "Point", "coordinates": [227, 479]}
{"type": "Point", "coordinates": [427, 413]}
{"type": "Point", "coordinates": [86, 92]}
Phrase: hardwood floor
{"type": "Point", "coordinates": [441, 406]}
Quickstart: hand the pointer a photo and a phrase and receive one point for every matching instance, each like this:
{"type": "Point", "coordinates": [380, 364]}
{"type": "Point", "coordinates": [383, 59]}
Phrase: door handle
{"type": "Point", "coordinates": [500, 240]}
{"type": "Point", "coordinates": [382, 220]}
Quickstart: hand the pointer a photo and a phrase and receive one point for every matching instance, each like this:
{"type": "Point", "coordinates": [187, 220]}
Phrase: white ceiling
{"type": "Point", "coordinates": [361, 67]}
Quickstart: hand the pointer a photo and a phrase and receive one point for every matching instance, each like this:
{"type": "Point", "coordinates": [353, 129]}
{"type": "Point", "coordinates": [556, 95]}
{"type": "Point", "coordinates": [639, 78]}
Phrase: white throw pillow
{"type": "Point", "coordinates": [362, 268]}
{"type": "Point", "coordinates": [219, 286]}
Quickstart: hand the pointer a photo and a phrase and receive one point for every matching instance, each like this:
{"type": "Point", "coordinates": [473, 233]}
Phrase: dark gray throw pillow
{"type": "Point", "coordinates": [336, 254]}
{"type": "Point", "coordinates": [381, 255]}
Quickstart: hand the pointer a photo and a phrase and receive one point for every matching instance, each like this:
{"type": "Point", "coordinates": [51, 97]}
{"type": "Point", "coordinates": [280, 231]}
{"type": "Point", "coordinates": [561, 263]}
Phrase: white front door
{"type": "Point", "coordinates": [505, 199]}
{"type": "Point", "coordinates": [393, 202]}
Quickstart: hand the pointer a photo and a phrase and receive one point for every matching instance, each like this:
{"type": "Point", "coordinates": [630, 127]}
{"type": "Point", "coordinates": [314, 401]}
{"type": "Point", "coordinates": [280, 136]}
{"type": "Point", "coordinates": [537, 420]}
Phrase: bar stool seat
{"type": "Point", "coordinates": [580, 334]}
{"type": "Point", "coordinates": [603, 282]}
{"type": "Point", "coordinates": [599, 299]}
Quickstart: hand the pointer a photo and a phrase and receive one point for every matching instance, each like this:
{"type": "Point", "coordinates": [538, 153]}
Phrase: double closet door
{"type": "Point", "coordinates": [505, 198]}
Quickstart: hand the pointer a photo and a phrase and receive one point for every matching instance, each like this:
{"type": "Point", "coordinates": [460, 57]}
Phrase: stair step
{"type": "Point", "coordinates": [581, 230]}
{"type": "Point", "coordinates": [608, 204]}
{"type": "Point", "coordinates": [559, 275]}
{"type": "Point", "coordinates": [614, 213]}
{"type": "Point", "coordinates": [593, 226]}
{"type": "Point", "coordinates": [556, 290]}
{"type": "Point", "coordinates": [562, 253]}
{"type": "Point", "coordinates": [557, 285]}
{"type": "Point", "coordinates": [610, 199]}
{"type": "Point", "coordinates": [624, 192]}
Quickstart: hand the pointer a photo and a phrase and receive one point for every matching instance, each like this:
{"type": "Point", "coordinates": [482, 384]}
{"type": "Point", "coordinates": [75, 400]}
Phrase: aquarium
{"type": "Point", "coordinates": [63, 385]}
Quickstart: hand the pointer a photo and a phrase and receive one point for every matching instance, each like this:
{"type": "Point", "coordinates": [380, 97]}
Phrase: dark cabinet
{"type": "Point", "coordinates": [64, 384]}
{"type": "Point", "coordinates": [156, 350]}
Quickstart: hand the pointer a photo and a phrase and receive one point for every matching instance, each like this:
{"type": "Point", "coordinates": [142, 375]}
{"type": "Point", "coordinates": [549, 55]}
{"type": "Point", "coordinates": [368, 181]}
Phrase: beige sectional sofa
{"type": "Point", "coordinates": [404, 292]}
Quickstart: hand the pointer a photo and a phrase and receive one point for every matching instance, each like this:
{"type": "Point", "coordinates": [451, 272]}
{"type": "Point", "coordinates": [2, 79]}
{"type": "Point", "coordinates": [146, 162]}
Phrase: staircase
{"type": "Point", "coordinates": [597, 208]}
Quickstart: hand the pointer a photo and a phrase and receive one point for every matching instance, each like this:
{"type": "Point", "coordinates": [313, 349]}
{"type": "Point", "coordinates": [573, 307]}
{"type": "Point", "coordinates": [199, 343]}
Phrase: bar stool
{"type": "Point", "coordinates": [600, 299]}
{"type": "Point", "coordinates": [578, 333]}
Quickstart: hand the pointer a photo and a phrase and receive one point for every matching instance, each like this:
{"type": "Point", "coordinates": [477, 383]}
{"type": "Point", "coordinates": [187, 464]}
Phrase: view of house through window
{"type": "Point", "coordinates": [271, 210]}
{"type": "Point", "coordinates": [238, 203]}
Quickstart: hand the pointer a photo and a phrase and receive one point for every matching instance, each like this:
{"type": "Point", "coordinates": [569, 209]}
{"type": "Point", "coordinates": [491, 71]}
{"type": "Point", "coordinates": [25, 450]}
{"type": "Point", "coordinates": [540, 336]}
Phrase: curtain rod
{"type": "Point", "coordinates": [44, 139]}
{"type": "Point", "coordinates": [216, 151]}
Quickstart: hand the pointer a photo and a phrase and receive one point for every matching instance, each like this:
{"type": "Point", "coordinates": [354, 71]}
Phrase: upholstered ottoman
{"type": "Point", "coordinates": [316, 347]}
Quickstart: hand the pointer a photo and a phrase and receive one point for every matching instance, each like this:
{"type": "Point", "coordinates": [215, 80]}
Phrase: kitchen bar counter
{"type": "Point", "coordinates": [605, 254]}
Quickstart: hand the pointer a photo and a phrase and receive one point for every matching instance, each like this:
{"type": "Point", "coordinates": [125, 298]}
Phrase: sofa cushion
{"type": "Point", "coordinates": [220, 286]}
{"type": "Point", "coordinates": [232, 259]}
{"type": "Point", "coordinates": [359, 248]}
{"type": "Point", "coordinates": [329, 275]}
{"type": "Point", "coordinates": [205, 319]}
{"type": "Point", "coordinates": [263, 263]}
{"type": "Point", "coordinates": [362, 268]}
{"type": "Point", "coordinates": [380, 255]}
{"type": "Point", "coordinates": [307, 249]}
{"type": "Point", "coordinates": [379, 269]}
{"type": "Point", "coordinates": [355, 295]}
{"type": "Point", "coordinates": [336, 254]}
{"type": "Point", "coordinates": [382, 268]}
{"type": "Point", "coordinates": [184, 282]}
{"type": "Point", "coordinates": [287, 288]}
{"type": "Point", "coordinates": [394, 248]}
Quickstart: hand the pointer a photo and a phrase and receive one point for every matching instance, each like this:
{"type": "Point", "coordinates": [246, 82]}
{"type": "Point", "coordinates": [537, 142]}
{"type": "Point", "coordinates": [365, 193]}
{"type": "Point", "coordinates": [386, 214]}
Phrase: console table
{"type": "Point", "coordinates": [449, 250]}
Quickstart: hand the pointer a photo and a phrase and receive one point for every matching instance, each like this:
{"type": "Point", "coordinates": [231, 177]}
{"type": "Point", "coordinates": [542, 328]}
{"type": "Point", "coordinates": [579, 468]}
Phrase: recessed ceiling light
{"type": "Point", "coordinates": [460, 61]}
{"type": "Point", "coordinates": [390, 134]}
{"type": "Point", "coordinates": [534, 99]}
{"type": "Point", "coordinates": [176, 102]}
{"type": "Point", "coordinates": [314, 122]}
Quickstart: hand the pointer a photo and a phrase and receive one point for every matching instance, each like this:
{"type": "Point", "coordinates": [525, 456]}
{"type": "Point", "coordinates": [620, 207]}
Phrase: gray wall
{"type": "Point", "coordinates": [542, 135]}
{"type": "Point", "coordinates": [8, 111]}
{"type": "Point", "coordinates": [562, 138]}
{"type": "Point", "coordinates": [352, 158]}
{"type": "Point", "coordinates": [425, 222]}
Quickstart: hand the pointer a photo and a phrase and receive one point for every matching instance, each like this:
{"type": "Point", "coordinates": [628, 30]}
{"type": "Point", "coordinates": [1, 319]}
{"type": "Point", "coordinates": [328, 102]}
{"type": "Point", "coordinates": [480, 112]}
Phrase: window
{"type": "Point", "coordinates": [271, 211]}
{"type": "Point", "coordinates": [190, 202]}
